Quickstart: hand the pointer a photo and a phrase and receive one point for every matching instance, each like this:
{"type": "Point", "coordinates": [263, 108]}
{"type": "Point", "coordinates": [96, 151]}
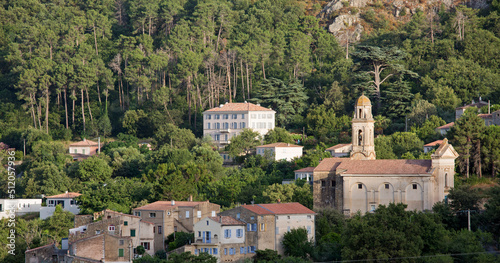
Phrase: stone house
{"type": "Point", "coordinates": [266, 224]}
{"type": "Point", "coordinates": [222, 237]}
{"type": "Point", "coordinates": [103, 247]}
{"type": "Point", "coordinates": [174, 216]}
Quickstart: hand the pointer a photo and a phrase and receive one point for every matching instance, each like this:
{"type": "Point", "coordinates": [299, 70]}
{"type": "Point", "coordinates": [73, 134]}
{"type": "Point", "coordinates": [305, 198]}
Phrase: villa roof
{"type": "Point", "coordinates": [65, 195]}
{"type": "Point", "coordinates": [279, 144]}
{"type": "Point", "coordinates": [347, 166]}
{"type": "Point", "coordinates": [246, 106]}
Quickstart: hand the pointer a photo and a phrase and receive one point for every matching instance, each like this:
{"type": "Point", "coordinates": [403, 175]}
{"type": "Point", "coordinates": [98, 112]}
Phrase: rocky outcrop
{"type": "Point", "coordinates": [346, 27]}
{"type": "Point", "coordinates": [339, 4]}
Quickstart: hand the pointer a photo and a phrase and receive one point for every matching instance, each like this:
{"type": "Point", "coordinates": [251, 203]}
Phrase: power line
{"type": "Point", "coordinates": [415, 257]}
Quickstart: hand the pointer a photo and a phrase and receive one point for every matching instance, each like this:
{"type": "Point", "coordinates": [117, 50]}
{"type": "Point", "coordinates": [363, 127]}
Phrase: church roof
{"type": "Point", "coordinates": [445, 150]}
{"type": "Point", "coordinates": [363, 101]}
{"type": "Point", "coordinates": [347, 166]}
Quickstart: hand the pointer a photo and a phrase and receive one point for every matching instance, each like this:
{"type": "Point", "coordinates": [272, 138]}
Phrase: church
{"type": "Point", "coordinates": [362, 183]}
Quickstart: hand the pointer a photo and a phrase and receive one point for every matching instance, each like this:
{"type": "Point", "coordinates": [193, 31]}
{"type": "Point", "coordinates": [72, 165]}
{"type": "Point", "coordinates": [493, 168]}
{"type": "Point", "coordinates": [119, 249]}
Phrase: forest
{"type": "Point", "coordinates": [133, 71]}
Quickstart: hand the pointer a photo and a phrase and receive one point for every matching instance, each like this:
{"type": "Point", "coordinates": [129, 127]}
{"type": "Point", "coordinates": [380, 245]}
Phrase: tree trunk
{"type": "Point", "coordinates": [228, 76]}
{"type": "Point", "coordinates": [95, 40]}
{"type": "Point", "coordinates": [263, 69]}
{"type": "Point", "coordinates": [188, 97]}
{"type": "Point", "coordinates": [33, 109]}
{"type": "Point", "coordinates": [83, 110]}
{"type": "Point", "coordinates": [248, 81]}
{"type": "Point", "coordinates": [98, 92]}
{"type": "Point", "coordinates": [66, 108]}
{"type": "Point", "coordinates": [88, 103]}
{"type": "Point", "coordinates": [242, 79]}
{"type": "Point", "coordinates": [477, 159]}
{"type": "Point", "coordinates": [47, 100]}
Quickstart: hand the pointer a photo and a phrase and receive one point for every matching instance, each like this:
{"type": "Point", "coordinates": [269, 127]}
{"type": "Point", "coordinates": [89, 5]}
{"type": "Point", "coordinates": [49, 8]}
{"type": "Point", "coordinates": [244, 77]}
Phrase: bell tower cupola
{"type": "Point", "coordinates": [363, 144]}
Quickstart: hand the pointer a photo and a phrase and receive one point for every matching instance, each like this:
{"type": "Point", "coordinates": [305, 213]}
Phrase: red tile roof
{"type": "Point", "coordinates": [279, 144]}
{"type": "Point", "coordinates": [279, 209]}
{"type": "Point", "coordinates": [84, 143]}
{"type": "Point", "coordinates": [434, 143]}
{"type": "Point", "coordinates": [305, 170]}
{"type": "Point", "coordinates": [65, 195]}
{"type": "Point", "coordinates": [446, 126]}
{"type": "Point", "coordinates": [338, 146]}
{"type": "Point", "coordinates": [227, 220]}
{"type": "Point", "coordinates": [247, 106]}
{"type": "Point", "coordinates": [347, 166]}
{"type": "Point", "coordinates": [485, 116]}
{"type": "Point", "coordinates": [167, 205]}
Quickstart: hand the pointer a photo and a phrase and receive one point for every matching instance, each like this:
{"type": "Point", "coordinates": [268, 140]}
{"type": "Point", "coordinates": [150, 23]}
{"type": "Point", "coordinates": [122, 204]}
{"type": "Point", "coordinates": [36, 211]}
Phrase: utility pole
{"type": "Point", "coordinates": [468, 219]}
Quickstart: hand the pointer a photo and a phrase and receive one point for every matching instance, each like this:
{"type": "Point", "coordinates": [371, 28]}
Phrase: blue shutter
{"type": "Point", "coordinates": [249, 227]}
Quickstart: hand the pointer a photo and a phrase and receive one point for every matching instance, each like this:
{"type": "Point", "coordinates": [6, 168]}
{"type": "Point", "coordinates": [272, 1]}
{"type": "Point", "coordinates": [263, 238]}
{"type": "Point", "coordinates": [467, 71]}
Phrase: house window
{"type": "Point", "coordinates": [120, 252]}
{"type": "Point", "coordinates": [199, 233]}
{"type": "Point", "coordinates": [262, 227]}
{"type": "Point", "coordinates": [215, 251]}
{"type": "Point", "coordinates": [187, 214]}
{"type": "Point", "coordinates": [360, 186]}
{"type": "Point", "coordinates": [71, 202]}
{"type": "Point", "coordinates": [309, 217]}
{"type": "Point", "coordinates": [414, 186]}
{"type": "Point", "coordinates": [209, 117]}
{"type": "Point", "coordinates": [242, 250]}
{"type": "Point", "coordinates": [238, 216]}
{"type": "Point", "coordinates": [122, 242]}
{"type": "Point", "coordinates": [287, 217]}
{"type": "Point", "coordinates": [252, 218]}
{"type": "Point", "coordinates": [132, 232]}
{"type": "Point", "coordinates": [225, 116]}
{"type": "Point", "coordinates": [254, 227]}
{"type": "Point", "coordinates": [446, 180]}
{"type": "Point", "coordinates": [277, 230]}
{"type": "Point", "coordinates": [225, 251]}
{"type": "Point", "coordinates": [146, 245]}
{"type": "Point", "coordinates": [83, 151]}
{"type": "Point", "coordinates": [372, 208]}
{"type": "Point", "coordinates": [75, 151]}
{"type": "Point", "coordinates": [152, 214]}
{"type": "Point", "coordinates": [308, 229]}
{"type": "Point", "coordinates": [227, 233]}
{"type": "Point", "coordinates": [137, 213]}
{"type": "Point", "coordinates": [216, 116]}
{"type": "Point", "coordinates": [333, 183]}
{"type": "Point", "coordinates": [111, 228]}
{"type": "Point", "coordinates": [386, 186]}
{"type": "Point", "coordinates": [208, 125]}
{"type": "Point", "coordinates": [217, 125]}
{"type": "Point", "coordinates": [154, 229]}
{"type": "Point", "coordinates": [239, 232]}
{"type": "Point", "coordinates": [97, 232]}
{"type": "Point", "coordinates": [125, 223]}
{"type": "Point", "coordinates": [198, 214]}
{"type": "Point", "coordinates": [323, 183]}
{"type": "Point", "coordinates": [242, 125]}
{"type": "Point", "coordinates": [159, 229]}
{"type": "Point", "coordinates": [235, 116]}
{"type": "Point", "coordinates": [251, 249]}
{"type": "Point", "coordinates": [288, 229]}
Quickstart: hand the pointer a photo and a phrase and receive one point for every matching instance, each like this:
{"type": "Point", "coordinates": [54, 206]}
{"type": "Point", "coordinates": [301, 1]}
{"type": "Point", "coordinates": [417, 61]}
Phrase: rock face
{"type": "Point", "coordinates": [346, 27]}
{"type": "Point", "coordinates": [337, 5]}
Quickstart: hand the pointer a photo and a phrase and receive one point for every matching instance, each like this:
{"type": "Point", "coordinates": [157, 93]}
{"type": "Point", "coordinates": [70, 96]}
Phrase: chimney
{"type": "Point", "coordinates": [258, 104]}
{"type": "Point", "coordinates": [288, 144]}
{"type": "Point", "coordinates": [84, 139]}
{"type": "Point", "coordinates": [245, 101]}
{"type": "Point", "coordinates": [220, 106]}
{"type": "Point", "coordinates": [173, 202]}
{"type": "Point", "coordinates": [279, 200]}
{"type": "Point", "coordinates": [66, 192]}
{"type": "Point", "coordinates": [190, 198]}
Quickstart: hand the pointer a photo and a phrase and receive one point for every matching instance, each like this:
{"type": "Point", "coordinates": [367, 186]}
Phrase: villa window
{"type": "Point", "coordinates": [414, 186]}
{"type": "Point", "coordinates": [360, 186]}
{"type": "Point", "coordinates": [386, 186]}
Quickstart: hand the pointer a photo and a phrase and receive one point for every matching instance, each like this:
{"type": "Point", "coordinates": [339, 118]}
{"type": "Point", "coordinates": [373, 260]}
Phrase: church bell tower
{"type": "Point", "coordinates": [363, 126]}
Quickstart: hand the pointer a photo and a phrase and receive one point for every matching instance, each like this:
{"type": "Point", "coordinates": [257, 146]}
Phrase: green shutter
{"type": "Point", "coordinates": [125, 223]}
{"type": "Point", "coordinates": [120, 252]}
{"type": "Point", "coordinates": [132, 232]}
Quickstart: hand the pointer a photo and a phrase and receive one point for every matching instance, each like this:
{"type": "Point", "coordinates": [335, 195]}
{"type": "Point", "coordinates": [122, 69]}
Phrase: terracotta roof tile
{"type": "Point", "coordinates": [167, 205]}
{"type": "Point", "coordinates": [434, 143]}
{"type": "Point", "coordinates": [446, 126]}
{"type": "Point", "coordinates": [239, 107]}
{"type": "Point", "coordinates": [227, 220]}
{"type": "Point", "coordinates": [84, 143]}
{"type": "Point", "coordinates": [305, 170]}
{"type": "Point", "coordinates": [279, 144]}
{"type": "Point", "coordinates": [338, 146]}
{"type": "Point", "coordinates": [278, 209]}
{"type": "Point", "coordinates": [485, 116]}
{"type": "Point", "coordinates": [348, 166]}
{"type": "Point", "coordinates": [65, 195]}
{"type": "Point", "coordinates": [329, 164]}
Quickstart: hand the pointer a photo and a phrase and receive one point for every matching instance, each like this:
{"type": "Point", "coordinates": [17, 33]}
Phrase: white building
{"type": "Point", "coordinates": [221, 236]}
{"type": "Point", "coordinates": [228, 120]}
{"type": "Point", "coordinates": [362, 183]}
{"type": "Point", "coordinates": [280, 151]}
{"type": "Point", "coordinates": [340, 150]}
{"type": "Point", "coordinates": [83, 149]}
{"type": "Point", "coordinates": [66, 200]}
{"type": "Point", "coordinates": [19, 206]}
{"type": "Point", "coordinates": [428, 147]}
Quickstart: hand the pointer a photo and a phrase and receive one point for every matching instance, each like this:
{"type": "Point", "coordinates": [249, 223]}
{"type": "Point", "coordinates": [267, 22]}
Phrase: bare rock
{"type": "Point", "coordinates": [346, 27]}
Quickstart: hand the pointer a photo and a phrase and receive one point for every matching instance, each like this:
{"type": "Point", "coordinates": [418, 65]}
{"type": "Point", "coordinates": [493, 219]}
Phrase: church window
{"type": "Point", "coordinates": [359, 113]}
{"type": "Point", "coordinates": [386, 186]}
{"type": "Point", "coordinates": [333, 183]}
{"type": "Point", "coordinates": [414, 186]}
{"type": "Point", "coordinates": [360, 186]}
{"type": "Point", "coordinates": [360, 137]}
{"type": "Point", "coordinates": [446, 180]}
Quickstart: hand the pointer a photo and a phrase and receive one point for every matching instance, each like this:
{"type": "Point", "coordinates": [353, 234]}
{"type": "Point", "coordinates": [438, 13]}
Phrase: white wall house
{"type": "Point", "coordinates": [228, 120]}
{"type": "Point", "coordinates": [19, 206]}
{"type": "Point", "coordinates": [66, 200]}
{"type": "Point", "coordinates": [280, 151]}
{"type": "Point", "coordinates": [221, 236]}
{"type": "Point", "coordinates": [432, 145]}
{"type": "Point", "coordinates": [340, 150]}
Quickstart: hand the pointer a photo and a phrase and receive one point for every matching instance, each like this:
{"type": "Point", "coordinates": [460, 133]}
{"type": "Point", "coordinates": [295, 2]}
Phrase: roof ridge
{"type": "Point", "coordinates": [265, 208]}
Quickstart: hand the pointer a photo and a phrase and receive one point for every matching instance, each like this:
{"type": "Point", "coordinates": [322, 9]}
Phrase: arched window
{"type": "Point", "coordinates": [360, 137]}
{"type": "Point", "coordinates": [359, 116]}
{"type": "Point", "coordinates": [446, 180]}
